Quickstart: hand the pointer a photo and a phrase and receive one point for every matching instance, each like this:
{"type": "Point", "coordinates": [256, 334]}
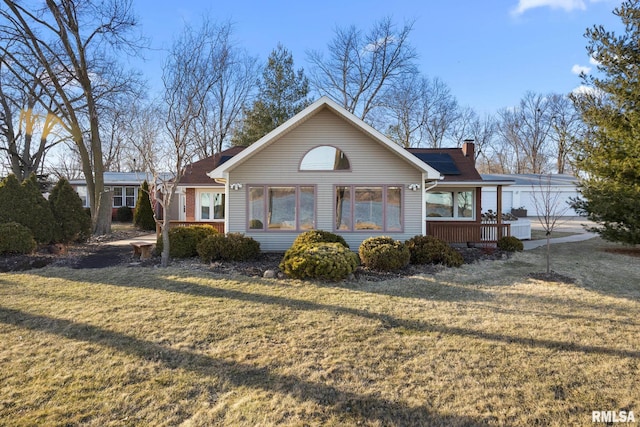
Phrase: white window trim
{"type": "Point", "coordinates": [199, 193]}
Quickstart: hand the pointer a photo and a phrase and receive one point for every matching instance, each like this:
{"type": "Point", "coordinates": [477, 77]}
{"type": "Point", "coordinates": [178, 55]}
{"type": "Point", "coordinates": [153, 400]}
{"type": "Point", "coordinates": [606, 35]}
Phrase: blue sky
{"type": "Point", "coordinates": [489, 52]}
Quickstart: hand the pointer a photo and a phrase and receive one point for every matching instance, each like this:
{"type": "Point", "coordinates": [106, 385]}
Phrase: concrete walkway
{"type": "Point", "coordinates": [147, 238]}
{"type": "Point", "coordinates": [571, 225]}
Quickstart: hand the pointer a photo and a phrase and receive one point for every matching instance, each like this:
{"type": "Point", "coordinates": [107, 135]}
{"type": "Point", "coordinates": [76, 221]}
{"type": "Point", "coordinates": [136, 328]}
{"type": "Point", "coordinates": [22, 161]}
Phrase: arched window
{"type": "Point", "coordinates": [325, 158]}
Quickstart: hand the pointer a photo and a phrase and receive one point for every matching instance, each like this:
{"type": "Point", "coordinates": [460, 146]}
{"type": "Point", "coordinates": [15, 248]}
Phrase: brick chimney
{"type": "Point", "coordinates": [468, 149]}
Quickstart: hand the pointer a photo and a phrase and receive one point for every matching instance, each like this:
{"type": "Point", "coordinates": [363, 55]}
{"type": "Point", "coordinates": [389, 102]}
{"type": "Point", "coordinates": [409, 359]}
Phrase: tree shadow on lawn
{"type": "Point", "coordinates": [387, 321]}
{"type": "Point", "coordinates": [351, 406]}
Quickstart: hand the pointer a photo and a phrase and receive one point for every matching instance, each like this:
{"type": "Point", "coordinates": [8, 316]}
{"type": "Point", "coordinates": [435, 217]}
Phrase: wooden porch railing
{"type": "Point", "coordinates": [467, 232]}
{"type": "Point", "coordinates": [219, 226]}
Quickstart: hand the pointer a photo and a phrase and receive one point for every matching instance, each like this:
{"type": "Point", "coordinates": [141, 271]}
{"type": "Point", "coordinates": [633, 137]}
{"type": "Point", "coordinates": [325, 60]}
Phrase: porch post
{"type": "Point", "coordinates": [499, 209]}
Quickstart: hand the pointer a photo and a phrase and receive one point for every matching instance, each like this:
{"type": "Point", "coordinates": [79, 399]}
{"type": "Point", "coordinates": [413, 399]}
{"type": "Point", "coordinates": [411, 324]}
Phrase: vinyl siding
{"type": "Point", "coordinates": [278, 163]}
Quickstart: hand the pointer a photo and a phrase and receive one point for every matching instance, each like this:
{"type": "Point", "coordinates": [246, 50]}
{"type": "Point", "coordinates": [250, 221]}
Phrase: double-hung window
{"type": "Point", "coordinates": [282, 207]}
{"type": "Point", "coordinates": [365, 208]}
{"type": "Point", "coordinates": [124, 196]}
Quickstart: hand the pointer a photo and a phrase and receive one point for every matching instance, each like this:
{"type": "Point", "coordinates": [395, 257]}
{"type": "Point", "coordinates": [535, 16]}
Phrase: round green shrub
{"type": "Point", "coordinates": [183, 241]}
{"type": "Point", "coordinates": [326, 261]}
{"type": "Point", "coordinates": [431, 250]}
{"type": "Point", "coordinates": [384, 254]}
{"type": "Point", "coordinates": [15, 238]}
{"type": "Point", "coordinates": [232, 247]}
{"type": "Point", "coordinates": [124, 214]}
{"type": "Point", "coordinates": [510, 244]}
{"type": "Point", "coordinates": [319, 236]}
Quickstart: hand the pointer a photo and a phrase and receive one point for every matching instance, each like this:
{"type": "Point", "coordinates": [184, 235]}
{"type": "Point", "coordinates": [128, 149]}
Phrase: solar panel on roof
{"type": "Point", "coordinates": [224, 159]}
{"type": "Point", "coordinates": [442, 162]}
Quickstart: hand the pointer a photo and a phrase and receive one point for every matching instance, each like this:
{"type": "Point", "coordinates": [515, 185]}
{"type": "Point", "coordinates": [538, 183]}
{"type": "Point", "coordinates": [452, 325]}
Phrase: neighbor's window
{"type": "Point", "coordinates": [130, 196]}
{"type": "Point", "coordinates": [281, 208]}
{"type": "Point", "coordinates": [325, 158]}
{"type": "Point", "coordinates": [449, 204]}
{"type": "Point", "coordinates": [124, 196]}
{"type": "Point", "coordinates": [361, 208]}
{"type": "Point", "coordinates": [82, 192]}
{"type": "Point", "coordinates": [212, 205]}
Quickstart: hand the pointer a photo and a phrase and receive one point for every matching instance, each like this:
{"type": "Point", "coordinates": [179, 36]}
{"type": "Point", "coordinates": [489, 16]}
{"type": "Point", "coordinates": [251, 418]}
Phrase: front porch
{"type": "Point", "coordinates": [455, 232]}
{"type": "Point", "coordinates": [451, 232]}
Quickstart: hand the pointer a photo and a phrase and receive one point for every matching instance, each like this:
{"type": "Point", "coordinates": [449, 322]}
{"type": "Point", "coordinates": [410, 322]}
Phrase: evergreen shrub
{"type": "Point", "coordinates": [72, 222]}
{"type": "Point", "coordinates": [232, 247]}
{"type": "Point", "coordinates": [26, 205]}
{"type": "Point", "coordinates": [510, 244]}
{"type": "Point", "coordinates": [319, 236]}
{"type": "Point", "coordinates": [15, 238]}
{"type": "Point", "coordinates": [143, 216]}
{"type": "Point", "coordinates": [431, 250]}
{"type": "Point", "coordinates": [384, 254]}
{"type": "Point", "coordinates": [183, 241]}
{"type": "Point", "coordinates": [124, 214]}
{"type": "Point", "coordinates": [326, 261]}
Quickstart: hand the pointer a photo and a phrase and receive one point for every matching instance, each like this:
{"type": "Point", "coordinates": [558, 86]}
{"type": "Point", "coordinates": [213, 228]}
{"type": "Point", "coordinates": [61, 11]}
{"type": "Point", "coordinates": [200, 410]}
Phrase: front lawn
{"type": "Point", "coordinates": [482, 344]}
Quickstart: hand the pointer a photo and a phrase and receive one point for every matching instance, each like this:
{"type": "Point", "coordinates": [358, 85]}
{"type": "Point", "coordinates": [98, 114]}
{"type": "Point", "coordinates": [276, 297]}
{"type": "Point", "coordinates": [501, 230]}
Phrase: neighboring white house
{"type": "Point", "coordinates": [124, 187]}
{"type": "Point", "coordinates": [521, 193]}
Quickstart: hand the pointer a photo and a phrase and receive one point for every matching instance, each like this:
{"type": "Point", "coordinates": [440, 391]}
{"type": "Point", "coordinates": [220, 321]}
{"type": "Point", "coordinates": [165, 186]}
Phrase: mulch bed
{"type": "Point", "coordinates": [98, 254]}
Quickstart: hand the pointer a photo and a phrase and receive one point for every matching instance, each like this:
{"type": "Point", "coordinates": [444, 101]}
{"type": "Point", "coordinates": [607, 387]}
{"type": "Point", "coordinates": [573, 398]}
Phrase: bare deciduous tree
{"type": "Point", "coordinates": [362, 67]}
{"type": "Point", "coordinates": [568, 128]}
{"type": "Point", "coordinates": [550, 208]}
{"type": "Point", "coordinates": [27, 131]}
{"type": "Point", "coordinates": [524, 130]}
{"type": "Point", "coordinates": [189, 74]}
{"type": "Point", "coordinates": [73, 46]}
{"type": "Point", "coordinates": [238, 74]}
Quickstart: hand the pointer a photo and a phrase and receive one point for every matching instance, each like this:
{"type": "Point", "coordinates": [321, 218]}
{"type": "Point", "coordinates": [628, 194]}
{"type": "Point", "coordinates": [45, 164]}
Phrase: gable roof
{"type": "Point", "coordinates": [196, 172]}
{"type": "Point", "coordinates": [221, 170]}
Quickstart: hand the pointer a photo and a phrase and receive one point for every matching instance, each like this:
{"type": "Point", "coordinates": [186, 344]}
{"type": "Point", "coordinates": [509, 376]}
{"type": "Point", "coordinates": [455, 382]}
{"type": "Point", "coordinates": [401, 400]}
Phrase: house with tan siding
{"type": "Point", "coordinates": [327, 169]}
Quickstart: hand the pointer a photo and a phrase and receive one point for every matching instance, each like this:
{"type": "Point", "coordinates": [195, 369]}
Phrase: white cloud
{"type": "Point", "coordinates": [593, 61]}
{"type": "Point", "coordinates": [585, 90]}
{"type": "Point", "coordinates": [580, 69]}
{"type": "Point", "coordinates": [567, 5]}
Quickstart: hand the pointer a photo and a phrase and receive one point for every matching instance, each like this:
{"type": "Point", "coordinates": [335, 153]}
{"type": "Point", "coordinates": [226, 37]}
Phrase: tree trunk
{"type": "Point", "coordinates": [103, 217]}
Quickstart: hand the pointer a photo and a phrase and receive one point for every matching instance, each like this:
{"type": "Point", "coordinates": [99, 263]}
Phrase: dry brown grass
{"type": "Point", "coordinates": [479, 345]}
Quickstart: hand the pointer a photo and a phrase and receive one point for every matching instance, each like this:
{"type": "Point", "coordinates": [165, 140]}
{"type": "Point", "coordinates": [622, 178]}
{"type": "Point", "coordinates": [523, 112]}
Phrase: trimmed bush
{"type": "Point", "coordinates": [510, 244]}
{"type": "Point", "coordinates": [124, 214]}
{"type": "Point", "coordinates": [384, 254]}
{"type": "Point", "coordinates": [143, 217]}
{"type": "Point", "coordinates": [72, 222]}
{"type": "Point", "coordinates": [326, 261]}
{"type": "Point", "coordinates": [431, 250]}
{"type": "Point", "coordinates": [319, 236]}
{"type": "Point", "coordinates": [183, 241]}
{"type": "Point", "coordinates": [232, 247]}
{"type": "Point", "coordinates": [15, 238]}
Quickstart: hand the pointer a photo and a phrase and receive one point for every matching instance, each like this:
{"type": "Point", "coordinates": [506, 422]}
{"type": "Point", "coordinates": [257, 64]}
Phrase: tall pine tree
{"type": "Point", "coordinates": [610, 155]}
{"type": "Point", "coordinates": [282, 93]}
